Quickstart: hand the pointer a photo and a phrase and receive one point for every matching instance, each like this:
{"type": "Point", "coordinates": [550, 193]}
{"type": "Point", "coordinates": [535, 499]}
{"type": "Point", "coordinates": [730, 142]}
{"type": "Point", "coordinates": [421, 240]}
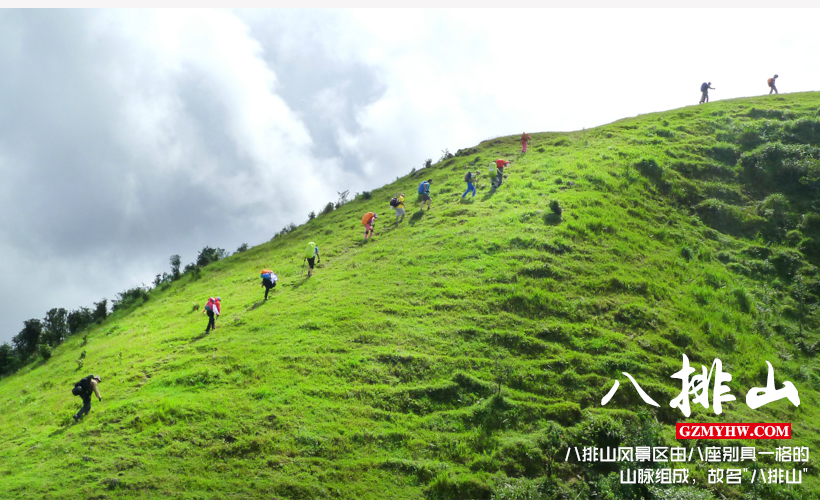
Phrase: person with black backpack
{"type": "Point", "coordinates": [397, 203]}
{"type": "Point", "coordinates": [469, 178]}
{"type": "Point", "coordinates": [84, 388]}
{"type": "Point", "coordinates": [704, 89]}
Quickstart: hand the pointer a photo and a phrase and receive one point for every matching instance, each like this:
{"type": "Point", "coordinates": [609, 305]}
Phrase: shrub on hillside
{"type": "Point", "coordinates": [328, 208]}
{"type": "Point", "coordinates": [650, 168]}
{"type": "Point", "coordinates": [176, 261]}
{"type": "Point", "coordinates": [243, 247]}
{"type": "Point", "coordinates": [78, 320]}
{"type": "Point", "coordinates": [25, 342]}
{"type": "Point", "coordinates": [810, 223]}
{"type": "Point", "coordinates": [728, 218]}
{"type": "Point", "coordinates": [805, 130]}
{"type": "Point", "coordinates": [8, 359]}
{"type": "Point", "coordinates": [311, 215]}
{"type": "Point", "coordinates": [161, 279]}
{"type": "Point", "coordinates": [342, 198]}
{"type": "Point", "coordinates": [193, 270]}
{"type": "Point", "coordinates": [725, 153]}
{"type": "Point", "coordinates": [208, 255]}
{"type": "Point", "coordinates": [136, 295]}
{"type": "Point", "coordinates": [44, 351]}
{"type": "Point", "coordinates": [555, 207]}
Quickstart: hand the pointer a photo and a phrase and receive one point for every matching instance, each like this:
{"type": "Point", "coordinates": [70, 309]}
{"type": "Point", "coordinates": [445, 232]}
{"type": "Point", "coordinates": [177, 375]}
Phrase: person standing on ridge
{"type": "Point", "coordinates": [499, 176]}
{"type": "Point", "coordinates": [213, 310]}
{"type": "Point", "coordinates": [84, 388]}
{"type": "Point", "coordinates": [367, 221]}
{"type": "Point", "coordinates": [772, 86]}
{"type": "Point", "coordinates": [269, 279]}
{"type": "Point", "coordinates": [424, 193]}
{"type": "Point", "coordinates": [397, 202]}
{"type": "Point", "coordinates": [524, 138]}
{"type": "Point", "coordinates": [311, 256]}
{"type": "Point", "coordinates": [704, 89]}
{"type": "Point", "coordinates": [469, 178]}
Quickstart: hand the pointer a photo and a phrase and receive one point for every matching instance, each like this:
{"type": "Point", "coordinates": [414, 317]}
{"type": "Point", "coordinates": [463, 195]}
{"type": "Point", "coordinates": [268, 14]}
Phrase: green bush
{"type": "Point", "coordinates": [44, 351]}
{"type": "Point", "coordinates": [555, 206]}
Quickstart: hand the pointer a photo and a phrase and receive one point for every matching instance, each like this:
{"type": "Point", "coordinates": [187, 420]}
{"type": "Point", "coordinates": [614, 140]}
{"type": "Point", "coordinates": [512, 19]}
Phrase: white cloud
{"type": "Point", "coordinates": [127, 136]}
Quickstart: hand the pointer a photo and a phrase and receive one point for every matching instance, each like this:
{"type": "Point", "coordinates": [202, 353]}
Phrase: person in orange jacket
{"type": "Point", "coordinates": [368, 220]}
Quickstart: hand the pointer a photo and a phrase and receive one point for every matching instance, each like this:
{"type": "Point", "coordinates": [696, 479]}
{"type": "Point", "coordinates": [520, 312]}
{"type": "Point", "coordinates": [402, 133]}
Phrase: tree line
{"type": "Point", "coordinates": [39, 337]}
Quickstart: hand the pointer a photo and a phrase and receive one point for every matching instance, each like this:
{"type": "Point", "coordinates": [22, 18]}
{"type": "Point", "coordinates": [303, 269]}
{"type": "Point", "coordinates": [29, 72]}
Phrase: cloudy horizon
{"type": "Point", "coordinates": [127, 136]}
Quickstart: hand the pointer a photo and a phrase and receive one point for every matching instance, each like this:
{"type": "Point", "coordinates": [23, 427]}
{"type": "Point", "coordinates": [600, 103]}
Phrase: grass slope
{"type": "Point", "coordinates": [459, 354]}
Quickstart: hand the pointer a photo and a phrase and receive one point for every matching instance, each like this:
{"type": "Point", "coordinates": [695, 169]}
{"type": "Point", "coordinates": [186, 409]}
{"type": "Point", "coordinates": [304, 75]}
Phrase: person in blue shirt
{"type": "Point", "coordinates": [469, 179]}
{"type": "Point", "coordinates": [424, 193]}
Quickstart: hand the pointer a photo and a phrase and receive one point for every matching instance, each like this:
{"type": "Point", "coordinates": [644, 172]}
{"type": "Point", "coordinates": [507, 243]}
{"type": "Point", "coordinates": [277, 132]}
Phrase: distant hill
{"type": "Point", "coordinates": [461, 353]}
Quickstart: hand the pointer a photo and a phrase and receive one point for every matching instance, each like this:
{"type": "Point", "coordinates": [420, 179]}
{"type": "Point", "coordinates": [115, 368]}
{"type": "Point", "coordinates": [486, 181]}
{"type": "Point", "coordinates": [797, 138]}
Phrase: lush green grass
{"type": "Point", "coordinates": [459, 354]}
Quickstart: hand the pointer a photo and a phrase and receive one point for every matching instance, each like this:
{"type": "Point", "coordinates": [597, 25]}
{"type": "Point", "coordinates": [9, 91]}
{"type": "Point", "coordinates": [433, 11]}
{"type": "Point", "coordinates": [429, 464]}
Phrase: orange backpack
{"type": "Point", "coordinates": [367, 218]}
{"type": "Point", "coordinates": [770, 81]}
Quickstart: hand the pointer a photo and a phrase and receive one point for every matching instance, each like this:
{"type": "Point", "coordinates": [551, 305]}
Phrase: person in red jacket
{"type": "Point", "coordinates": [213, 310]}
{"type": "Point", "coordinates": [525, 137]}
{"type": "Point", "coordinates": [499, 176]}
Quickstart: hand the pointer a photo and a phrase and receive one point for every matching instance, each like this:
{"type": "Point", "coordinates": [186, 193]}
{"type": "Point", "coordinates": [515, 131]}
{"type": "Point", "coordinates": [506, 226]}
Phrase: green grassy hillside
{"type": "Point", "coordinates": [459, 354]}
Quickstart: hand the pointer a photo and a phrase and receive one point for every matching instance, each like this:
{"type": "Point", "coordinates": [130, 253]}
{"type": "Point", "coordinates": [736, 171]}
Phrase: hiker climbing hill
{"type": "Point", "coordinates": [525, 137]}
{"type": "Point", "coordinates": [311, 256]}
{"type": "Point", "coordinates": [269, 279]}
{"type": "Point", "coordinates": [368, 220]}
{"type": "Point", "coordinates": [470, 178]}
{"type": "Point", "coordinates": [424, 193]}
{"type": "Point", "coordinates": [497, 170]}
{"type": "Point", "coordinates": [84, 388]}
{"type": "Point", "coordinates": [397, 203]}
{"type": "Point", "coordinates": [213, 308]}
{"type": "Point", "coordinates": [704, 90]}
{"type": "Point", "coordinates": [772, 84]}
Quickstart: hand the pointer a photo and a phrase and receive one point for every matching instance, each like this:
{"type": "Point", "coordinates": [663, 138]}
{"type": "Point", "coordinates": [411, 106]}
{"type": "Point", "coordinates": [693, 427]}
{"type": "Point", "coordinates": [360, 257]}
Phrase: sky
{"type": "Point", "coordinates": [127, 136]}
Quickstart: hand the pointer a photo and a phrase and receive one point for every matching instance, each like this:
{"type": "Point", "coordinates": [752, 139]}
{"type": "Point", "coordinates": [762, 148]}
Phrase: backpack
{"type": "Point", "coordinates": [83, 386]}
{"type": "Point", "coordinates": [367, 218]}
{"type": "Point", "coordinates": [394, 202]}
{"type": "Point", "coordinates": [310, 250]}
{"type": "Point", "coordinates": [770, 81]}
{"type": "Point", "coordinates": [493, 169]}
{"type": "Point", "coordinates": [468, 177]}
{"type": "Point", "coordinates": [704, 87]}
{"type": "Point", "coordinates": [421, 187]}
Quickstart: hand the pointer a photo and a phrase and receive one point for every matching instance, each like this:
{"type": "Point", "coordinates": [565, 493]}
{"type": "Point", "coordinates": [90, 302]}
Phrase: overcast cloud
{"type": "Point", "coordinates": [129, 136]}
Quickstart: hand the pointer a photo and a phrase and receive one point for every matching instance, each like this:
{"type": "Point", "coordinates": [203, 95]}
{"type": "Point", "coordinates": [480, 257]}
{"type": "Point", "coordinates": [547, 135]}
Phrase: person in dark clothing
{"type": "Point", "coordinates": [704, 92]}
{"type": "Point", "coordinates": [772, 85]}
{"type": "Point", "coordinates": [84, 388]}
{"type": "Point", "coordinates": [269, 279]}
